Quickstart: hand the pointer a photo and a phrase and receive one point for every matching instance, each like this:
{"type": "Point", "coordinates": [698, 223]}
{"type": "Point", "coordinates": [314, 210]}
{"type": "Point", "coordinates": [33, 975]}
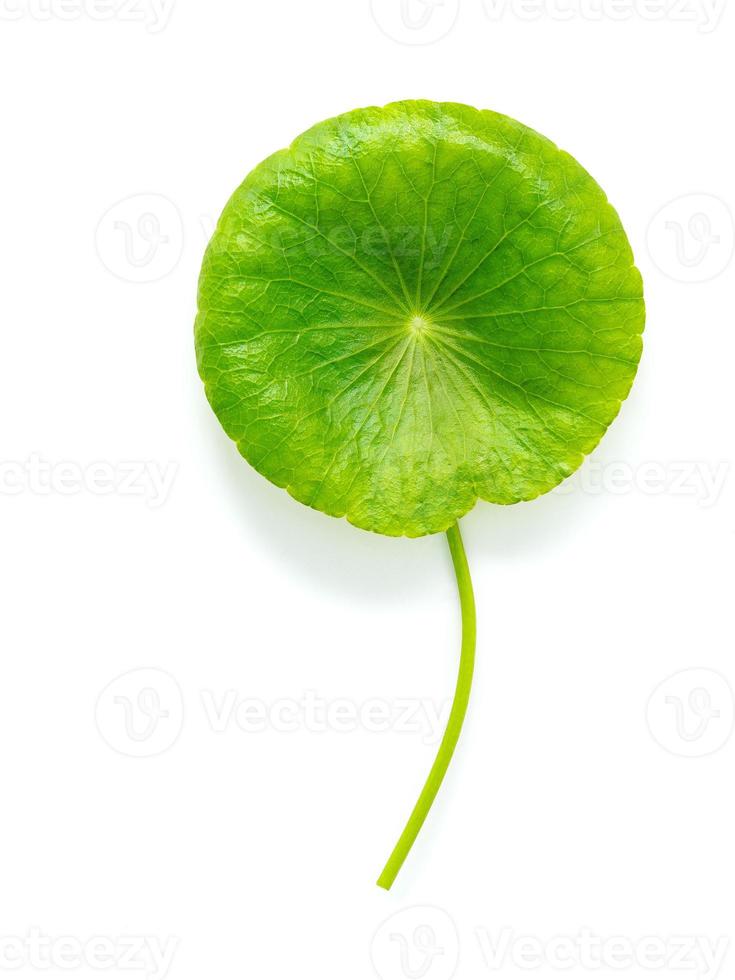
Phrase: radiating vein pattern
{"type": "Point", "coordinates": [415, 306]}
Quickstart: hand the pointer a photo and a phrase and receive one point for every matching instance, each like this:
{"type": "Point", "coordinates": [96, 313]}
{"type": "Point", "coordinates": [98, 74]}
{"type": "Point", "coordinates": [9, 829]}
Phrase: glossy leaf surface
{"type": "Point", "coordinates": [416, 306]}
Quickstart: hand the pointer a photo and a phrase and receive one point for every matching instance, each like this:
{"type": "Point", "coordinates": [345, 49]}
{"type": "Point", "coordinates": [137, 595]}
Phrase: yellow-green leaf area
{"type": "Point", "coordinates": [416, 306]}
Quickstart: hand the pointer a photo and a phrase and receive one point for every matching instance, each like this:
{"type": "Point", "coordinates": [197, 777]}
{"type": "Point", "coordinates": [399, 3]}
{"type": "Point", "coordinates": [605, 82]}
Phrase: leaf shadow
{"type": "Point", "coordinates": [346, 559]}
{"type": "Point", "coordinates": [355, 562]}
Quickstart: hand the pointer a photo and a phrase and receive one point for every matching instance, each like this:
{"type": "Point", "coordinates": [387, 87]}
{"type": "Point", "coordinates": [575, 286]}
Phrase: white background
{"type": "Point", "coordinates": [584, 794]}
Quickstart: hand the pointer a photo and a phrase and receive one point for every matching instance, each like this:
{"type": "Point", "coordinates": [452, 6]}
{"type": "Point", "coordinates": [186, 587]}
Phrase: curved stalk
{"type": "Point", "coordinates": [456, 716]}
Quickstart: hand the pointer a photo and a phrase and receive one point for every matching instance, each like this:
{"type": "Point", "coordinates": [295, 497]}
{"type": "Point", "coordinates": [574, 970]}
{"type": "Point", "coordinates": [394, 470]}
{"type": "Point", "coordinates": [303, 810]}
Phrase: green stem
{"type": "Point", "coordinates": [456, 716]}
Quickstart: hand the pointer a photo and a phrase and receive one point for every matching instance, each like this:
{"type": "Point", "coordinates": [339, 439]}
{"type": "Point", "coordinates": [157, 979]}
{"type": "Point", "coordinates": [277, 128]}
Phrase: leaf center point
{"type": "Point", "coordinates": [418, 324]}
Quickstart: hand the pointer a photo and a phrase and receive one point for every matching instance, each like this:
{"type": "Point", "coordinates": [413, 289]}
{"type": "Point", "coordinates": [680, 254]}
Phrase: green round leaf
{"type": "Point", "coordinates": [415, 306]}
